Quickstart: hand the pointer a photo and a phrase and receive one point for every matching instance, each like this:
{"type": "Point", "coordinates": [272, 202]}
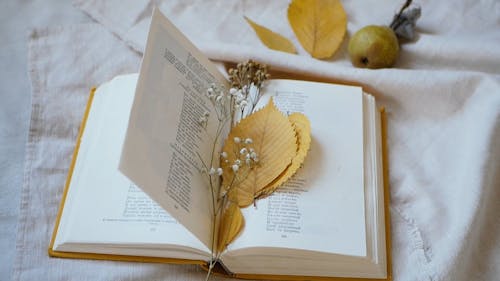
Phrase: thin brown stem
{"type": "Point", "coordinates": [396, 22]}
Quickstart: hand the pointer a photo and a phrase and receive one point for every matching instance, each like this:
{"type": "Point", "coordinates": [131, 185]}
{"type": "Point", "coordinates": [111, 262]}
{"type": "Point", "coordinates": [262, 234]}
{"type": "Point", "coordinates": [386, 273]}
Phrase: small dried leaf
{"type": "Point", "coordinates": [272, 39]}
{"type": "Point", "coordinates": [303, 129]}
{"type": "Point", "coordinates": [231, 224]}
{"type": "Point", "coordinates": [320, 25]}
{"type": "Point", "coordinates": [274, 141]}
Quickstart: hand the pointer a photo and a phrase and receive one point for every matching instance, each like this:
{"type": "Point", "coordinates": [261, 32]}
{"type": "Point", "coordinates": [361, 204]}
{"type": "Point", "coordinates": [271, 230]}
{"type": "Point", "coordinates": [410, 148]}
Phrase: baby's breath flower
{"type": "Point", "coordinates": [223, 154]}
{"type": "Point", "coordinates": [212, 171]}
{"type": "Point", "coordinates": [243, 150]}
{"type": "Point", "coordinates": [219, 171]}
{"type": "Point", "coordinates": [237, 140]}
{"type": "Point", "coordinates": [248, 141]}
{"type": "Point", "coordinates": [233, 91]}
{"type": "Point", "coordinates": [239, 97]}
{"type": "Point", "coordinates": [253, 155]}
{"type": "Point", "coordinates": [237, 162]}
{"type": "Point", "coordinates": [235, 168]}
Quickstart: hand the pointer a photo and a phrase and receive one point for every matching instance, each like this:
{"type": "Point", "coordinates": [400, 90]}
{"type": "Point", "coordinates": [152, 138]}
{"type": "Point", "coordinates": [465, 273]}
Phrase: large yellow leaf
{"type": "Point", "coordinates": [274, 141]}
{"type": "Point", "coordinates": [303, 129]}
{"type": "Point", "coordinates": [320, 25]}
{"type": "Point", "coordinates": [231, 224]}
{"type": "Point", "coordinates": [272, 39]}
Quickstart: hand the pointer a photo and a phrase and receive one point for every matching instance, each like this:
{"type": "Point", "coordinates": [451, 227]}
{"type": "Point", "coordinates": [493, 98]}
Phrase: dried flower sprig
{"type": "Point", "coordinates": [243, 159]}
{"type": "Point", "coordinates": [246, 82]}
{"type": "Point", "coordinates": [237, 176]}
{"type": "Point", "coordinates": [230, 106]}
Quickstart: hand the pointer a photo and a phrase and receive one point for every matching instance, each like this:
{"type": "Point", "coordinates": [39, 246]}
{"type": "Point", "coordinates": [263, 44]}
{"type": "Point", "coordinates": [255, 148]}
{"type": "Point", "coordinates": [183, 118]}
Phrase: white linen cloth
{"type": "Point", "coordinates": [442, 100]}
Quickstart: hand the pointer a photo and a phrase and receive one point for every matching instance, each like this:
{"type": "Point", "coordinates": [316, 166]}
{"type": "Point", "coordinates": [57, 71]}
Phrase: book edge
{"type": "Point", "coordinates": [71, 168]}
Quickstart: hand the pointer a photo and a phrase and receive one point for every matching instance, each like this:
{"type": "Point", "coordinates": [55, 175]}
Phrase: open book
{"type": "Point", "coordinates": [135, 191]}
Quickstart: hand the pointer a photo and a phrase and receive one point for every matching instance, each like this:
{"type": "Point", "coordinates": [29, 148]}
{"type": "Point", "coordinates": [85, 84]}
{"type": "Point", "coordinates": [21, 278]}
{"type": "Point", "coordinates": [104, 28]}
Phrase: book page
{"type": "Point", "coordinates": [164, 137]}
{"type": "Point", "coordinates": [322, 207]}
{"type": "Point", "coordinates": [102, 206]}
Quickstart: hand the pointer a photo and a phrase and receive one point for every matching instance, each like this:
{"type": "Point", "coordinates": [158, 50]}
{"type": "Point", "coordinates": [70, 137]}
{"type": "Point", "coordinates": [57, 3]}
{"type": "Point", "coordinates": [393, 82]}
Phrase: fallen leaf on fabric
{"type": "Point", "coordinates": [320, 25]}
{"type": "Point", "coordinates": [272, 39]}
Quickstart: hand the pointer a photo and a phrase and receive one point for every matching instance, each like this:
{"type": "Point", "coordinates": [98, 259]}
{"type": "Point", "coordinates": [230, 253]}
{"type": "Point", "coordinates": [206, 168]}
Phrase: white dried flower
{"type": "Point", "coordinates": [239, 97]}
{"type": "Point", "coordinates": [233, 91]}
{"type": "Point", "coordinates": [219, 171]}
{"type": "Point", "coordinates": [237, 162]}
{"type": "Point", "coordinates": [223, 154]}
{"type": "Point", "coordinates": [235, 168]}
{"type": "Point", "coordinates": [248, 141]}
{"type": "Point", "coordinates": [212, 171]}
{"type": "Point", "coordinates": [243, 150]}
{"type": "Point", "coordinates": [237, 140]}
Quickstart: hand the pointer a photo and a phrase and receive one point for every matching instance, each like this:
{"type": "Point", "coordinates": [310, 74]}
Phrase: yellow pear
{"type": "Point", "coordinates": [373, 47]}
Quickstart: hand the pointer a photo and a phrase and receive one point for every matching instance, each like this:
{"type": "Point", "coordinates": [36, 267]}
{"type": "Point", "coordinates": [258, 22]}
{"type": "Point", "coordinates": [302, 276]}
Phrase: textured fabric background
{"type": "Point", "coordinates": [442, 100]}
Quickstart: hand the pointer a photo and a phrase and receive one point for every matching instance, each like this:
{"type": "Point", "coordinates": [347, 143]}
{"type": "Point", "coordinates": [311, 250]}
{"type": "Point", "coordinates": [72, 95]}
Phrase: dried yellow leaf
{"type": "Point", "coordinates": [274, 141]}
{"type": "Point", "coordinates": [303, 129]}
{"type": "Point", "coordinates": [320, 25]}
{"type": "Point", "coordinates": [272, 39]}
{"type": "Point", "coordinates": [231, 224]}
